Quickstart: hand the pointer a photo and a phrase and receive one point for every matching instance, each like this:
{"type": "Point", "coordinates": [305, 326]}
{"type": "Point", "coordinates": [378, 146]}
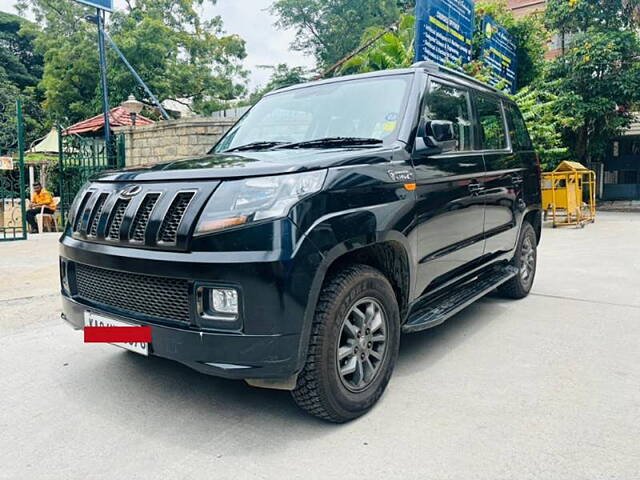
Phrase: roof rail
{"type": "Point", "coordinates": [434, 67]}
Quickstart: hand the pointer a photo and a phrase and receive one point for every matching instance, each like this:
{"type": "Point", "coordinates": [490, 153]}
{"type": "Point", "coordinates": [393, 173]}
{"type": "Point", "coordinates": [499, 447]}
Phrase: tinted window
{"type": "Point", "coordinates": [370, 108]}
{"type": "Point", "coordinates": [517, 129]}
{"type": "Point", "coordinates": [450, 104]}
{"type": "Point", "coordinates": [492, 133]}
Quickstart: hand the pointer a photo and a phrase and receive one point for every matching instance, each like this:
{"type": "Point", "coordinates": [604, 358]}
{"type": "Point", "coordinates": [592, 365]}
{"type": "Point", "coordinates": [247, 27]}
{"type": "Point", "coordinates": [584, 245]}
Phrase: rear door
{"type": "Point", "coordinates": [502, 184]}
{"type": "Point", "coordinates": [449, 208]}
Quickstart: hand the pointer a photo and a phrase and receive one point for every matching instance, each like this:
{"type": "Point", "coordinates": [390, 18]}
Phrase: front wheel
{"type": "Point", "coordinates": [525, 260]}
{"type": "Point", "coordinates": [353, 348]}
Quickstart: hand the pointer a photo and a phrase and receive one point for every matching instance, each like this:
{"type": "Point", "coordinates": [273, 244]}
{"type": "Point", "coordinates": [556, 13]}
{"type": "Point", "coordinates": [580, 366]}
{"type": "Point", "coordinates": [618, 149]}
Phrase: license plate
{"type": "Point", "coordinates": [93, 320]}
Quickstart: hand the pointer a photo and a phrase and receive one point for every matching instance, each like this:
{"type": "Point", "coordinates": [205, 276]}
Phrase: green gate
{"type": "Point", "coordinates": [80, 159]}
{"type": "Point", "coordinates": [13, 225]}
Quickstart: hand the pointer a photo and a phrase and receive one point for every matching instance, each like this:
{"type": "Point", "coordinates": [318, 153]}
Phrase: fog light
{"type": "Point", "coordinates": [224, 300]}
{"type": "Point", "coordinates": [64, 277]}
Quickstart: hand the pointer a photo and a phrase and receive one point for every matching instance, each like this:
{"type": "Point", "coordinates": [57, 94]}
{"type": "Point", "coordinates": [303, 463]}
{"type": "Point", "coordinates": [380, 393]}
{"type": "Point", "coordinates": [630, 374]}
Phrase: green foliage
{"type": "Point", "coordinates": [331, 30]}
{"type": "Point", "coordinates": [17, 57]}
{"type": "Point", "coordinates": [178, 54]}
{"type": "Point", "coordinates": [394, 49]}
{"type": "Point", "coordinates": [8, 95]}
{"type": "Point", "coordinates": [599, 75]}
{"type": "Point", "coordinates": [20, 72]}
{"type": "Point", "coordinates": [578, 15]}
{"type": "Point", "coordinates": [545, 121]}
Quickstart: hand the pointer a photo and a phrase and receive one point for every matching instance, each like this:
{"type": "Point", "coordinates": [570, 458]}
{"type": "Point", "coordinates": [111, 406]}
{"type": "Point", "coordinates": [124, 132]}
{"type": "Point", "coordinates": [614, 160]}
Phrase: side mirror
{"type": "Point", "coordinates": [436, 136]}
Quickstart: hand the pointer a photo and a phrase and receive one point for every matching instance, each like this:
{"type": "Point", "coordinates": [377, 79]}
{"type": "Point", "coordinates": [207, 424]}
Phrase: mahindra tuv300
{"type": "Point", "coordinates": [331, 218]}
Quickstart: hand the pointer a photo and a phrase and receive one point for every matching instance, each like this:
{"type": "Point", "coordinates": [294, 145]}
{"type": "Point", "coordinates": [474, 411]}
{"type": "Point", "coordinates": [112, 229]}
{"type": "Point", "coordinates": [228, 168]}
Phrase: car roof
{"type": "Point", "coordinates": [429, 67]}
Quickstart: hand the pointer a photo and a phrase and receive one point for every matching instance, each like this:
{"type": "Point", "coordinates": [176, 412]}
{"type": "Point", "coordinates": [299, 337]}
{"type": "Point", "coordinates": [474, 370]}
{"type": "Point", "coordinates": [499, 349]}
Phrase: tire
{"type": "Point", "coordinates": [525, 260]}
{"type": "Point", "coordinates": [322, 390]}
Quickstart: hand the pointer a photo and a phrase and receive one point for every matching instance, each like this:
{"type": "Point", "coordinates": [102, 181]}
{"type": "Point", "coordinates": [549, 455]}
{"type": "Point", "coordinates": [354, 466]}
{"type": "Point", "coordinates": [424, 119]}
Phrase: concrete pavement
{"type": "Point", "coordinates": [547, 387]}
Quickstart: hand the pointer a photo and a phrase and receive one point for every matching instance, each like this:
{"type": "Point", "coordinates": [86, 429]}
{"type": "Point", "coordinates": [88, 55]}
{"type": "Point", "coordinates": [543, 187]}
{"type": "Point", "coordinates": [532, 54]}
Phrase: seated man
{"type": "Point", "coordinates": [40, 198]}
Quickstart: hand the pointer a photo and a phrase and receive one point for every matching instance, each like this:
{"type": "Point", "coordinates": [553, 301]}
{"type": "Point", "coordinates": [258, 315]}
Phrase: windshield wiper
{"type": "Point", "coordinates": [255, 146]}
{"type": "Point", "coordinates": [332, 142]}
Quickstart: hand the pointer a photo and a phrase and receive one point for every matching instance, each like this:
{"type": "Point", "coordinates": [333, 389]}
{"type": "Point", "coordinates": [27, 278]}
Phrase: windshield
{"type": "Point", "coordinates": [368, 108]}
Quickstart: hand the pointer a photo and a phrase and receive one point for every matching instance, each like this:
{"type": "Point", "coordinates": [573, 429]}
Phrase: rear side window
{"type": "Point", "coordinates": [517, 129]}
{"type": "Point", "coordinates": [492, 132]}
{"type": "Point", "coordinates": [451, 104]}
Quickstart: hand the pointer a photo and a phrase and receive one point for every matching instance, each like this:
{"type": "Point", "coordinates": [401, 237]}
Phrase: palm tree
{"type": "Point", "coordinates": [393, 49]}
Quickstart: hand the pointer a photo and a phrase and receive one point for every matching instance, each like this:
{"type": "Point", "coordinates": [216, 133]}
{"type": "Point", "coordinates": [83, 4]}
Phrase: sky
{"type": "Point", "coordinates": [266, 45]}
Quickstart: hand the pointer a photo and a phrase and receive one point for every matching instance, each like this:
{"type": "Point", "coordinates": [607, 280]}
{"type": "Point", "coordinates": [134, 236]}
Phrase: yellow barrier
{"type": "Point", "coordinates": [569, 193]}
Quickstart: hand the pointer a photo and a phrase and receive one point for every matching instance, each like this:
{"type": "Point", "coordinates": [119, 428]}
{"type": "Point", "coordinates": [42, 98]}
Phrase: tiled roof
{"type": "Point", "coordinates": [118, 117]}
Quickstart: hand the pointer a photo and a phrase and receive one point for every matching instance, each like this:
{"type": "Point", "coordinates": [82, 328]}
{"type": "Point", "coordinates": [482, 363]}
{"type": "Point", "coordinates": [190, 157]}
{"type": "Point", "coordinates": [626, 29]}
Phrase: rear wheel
{"type": "Point", "coordinates": [525, 260]}
{"type": "Point", "coordinates": [353, 347]}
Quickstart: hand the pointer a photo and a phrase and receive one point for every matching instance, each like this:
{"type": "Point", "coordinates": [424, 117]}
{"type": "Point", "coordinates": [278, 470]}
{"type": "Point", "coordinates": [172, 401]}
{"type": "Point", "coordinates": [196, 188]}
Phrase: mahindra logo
{"type": "Point", "coordinates": [131, 191]}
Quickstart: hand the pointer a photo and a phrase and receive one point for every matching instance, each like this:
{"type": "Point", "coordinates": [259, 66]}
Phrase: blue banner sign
{"type": "Point", "coordinates": [444, 30]}
{"type": "Point", "coordinates": [101, 4]}
{"type": "Point", "coordinates": [499, 53]}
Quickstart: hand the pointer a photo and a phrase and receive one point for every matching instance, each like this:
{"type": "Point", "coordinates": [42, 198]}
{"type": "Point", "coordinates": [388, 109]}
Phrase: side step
{"type": "Point", "coordinates": [438, 310]}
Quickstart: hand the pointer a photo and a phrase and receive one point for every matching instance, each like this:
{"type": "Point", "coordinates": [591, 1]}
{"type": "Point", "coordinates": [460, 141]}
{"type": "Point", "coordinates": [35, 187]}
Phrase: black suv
{"type": "Point", "coordinates": [331, 218]}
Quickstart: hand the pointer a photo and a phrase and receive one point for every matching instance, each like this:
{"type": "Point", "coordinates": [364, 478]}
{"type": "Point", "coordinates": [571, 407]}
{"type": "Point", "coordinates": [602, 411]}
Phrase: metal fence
{"type": "Point", "coordinates": [12, 176]}
{"type": "Point", "coordinates": [80, 159]}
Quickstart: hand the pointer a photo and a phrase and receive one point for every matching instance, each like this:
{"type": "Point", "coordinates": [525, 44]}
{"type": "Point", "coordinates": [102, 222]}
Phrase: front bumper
{"type": "Point", "coordinates": [223, 355]}
{"type": "Point", "coordinates": [279, 291]}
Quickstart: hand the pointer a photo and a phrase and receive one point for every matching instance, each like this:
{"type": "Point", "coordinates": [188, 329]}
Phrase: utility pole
{"type": "Point", "coordinates": [105, 91]}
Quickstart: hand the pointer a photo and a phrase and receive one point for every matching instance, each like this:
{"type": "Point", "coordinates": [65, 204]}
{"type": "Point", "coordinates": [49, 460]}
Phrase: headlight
{"type": "Point", "coordinates": [239, 202]}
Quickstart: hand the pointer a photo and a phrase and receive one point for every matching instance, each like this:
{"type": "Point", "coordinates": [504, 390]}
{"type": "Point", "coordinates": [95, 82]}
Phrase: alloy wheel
{"type": "Point", "coordinates": [362, 344]}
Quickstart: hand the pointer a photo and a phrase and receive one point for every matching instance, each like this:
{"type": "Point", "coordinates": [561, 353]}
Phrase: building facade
{"type": "Point", "coordinates": [621, 168]}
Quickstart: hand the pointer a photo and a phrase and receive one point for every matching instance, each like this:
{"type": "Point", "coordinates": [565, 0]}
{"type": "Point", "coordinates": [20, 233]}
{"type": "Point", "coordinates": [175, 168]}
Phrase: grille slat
{"type": "Point", "coordinates": [142, 217]}
{"type": "Point", "coordinates": [171, 223]}
{"type": "Point", "coordinates": [116, 219]}
{"type": "Point", "coordinates": [139, 295]}
{"type": "Point", "coordinates": [95, 215]}
{"type": "Point", "coordinates": [81, 211]}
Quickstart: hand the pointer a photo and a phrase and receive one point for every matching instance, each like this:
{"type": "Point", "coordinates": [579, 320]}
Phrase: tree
{"type": "Point", "coordinates": [599, 74]}
{"type": "Point", "coordinates": [20, 72]}
{"type": "Point", "coordinates": [393, 49]}
{"type": "Point", "coordinates": [545, 121]}
{"type": "Point", "coordinates": [8, 95]}
{"type": "Point", "coordinates": [180, 56]}
{"type": "Point", "coordinates": [331, 30]}
{"type": "Point", "coordinates": [22, 65]}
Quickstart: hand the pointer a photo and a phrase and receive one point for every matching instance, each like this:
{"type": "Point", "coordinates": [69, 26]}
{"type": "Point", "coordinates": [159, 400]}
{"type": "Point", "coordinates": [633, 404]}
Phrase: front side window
{"type": "Point", "coordinates": [370, 108]}
{"type": "Point", "coordinates": [450, 104]}
{"type": "Point", "coordinates": [492, 132]}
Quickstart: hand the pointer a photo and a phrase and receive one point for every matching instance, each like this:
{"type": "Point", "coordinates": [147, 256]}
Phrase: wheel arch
{"type": "Point", "coordinates": [534, 217]}
{"type": "Point", "coordinates": [389, 253]}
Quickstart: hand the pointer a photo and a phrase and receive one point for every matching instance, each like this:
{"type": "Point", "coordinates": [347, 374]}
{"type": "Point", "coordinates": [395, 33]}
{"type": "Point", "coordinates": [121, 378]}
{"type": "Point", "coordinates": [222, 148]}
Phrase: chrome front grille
{"type": "Point", "coordinates": [155, 216]}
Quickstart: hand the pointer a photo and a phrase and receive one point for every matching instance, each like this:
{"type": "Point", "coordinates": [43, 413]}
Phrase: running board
{"type": "Point", "coordinates": [436, 311]}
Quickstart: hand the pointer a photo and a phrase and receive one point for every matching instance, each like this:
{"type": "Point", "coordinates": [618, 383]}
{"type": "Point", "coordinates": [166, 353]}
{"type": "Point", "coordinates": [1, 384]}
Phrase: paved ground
{"type": "Point", "coordinates": [545, 388]}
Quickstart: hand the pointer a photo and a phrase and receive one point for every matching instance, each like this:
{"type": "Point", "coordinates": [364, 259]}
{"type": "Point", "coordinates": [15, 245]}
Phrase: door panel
{"type": "Point", "coordinates": [450, 215]}
{"type": "Point", "coordinates": [449, 207]}
{"type": "Point", "coordinates": [503, 201]}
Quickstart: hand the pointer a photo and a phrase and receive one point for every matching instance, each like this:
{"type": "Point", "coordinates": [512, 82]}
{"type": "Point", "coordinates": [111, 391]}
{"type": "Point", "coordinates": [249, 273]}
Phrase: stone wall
{"type": "Point", "coordinates": [174, 139]}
